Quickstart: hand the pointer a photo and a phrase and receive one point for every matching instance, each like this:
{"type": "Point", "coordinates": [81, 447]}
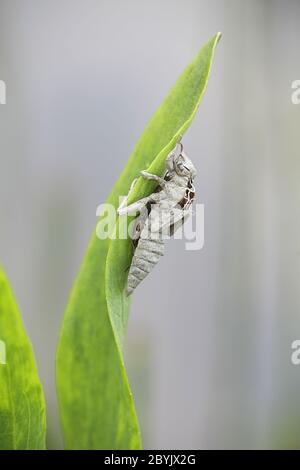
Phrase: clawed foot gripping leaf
{"type": "Point", "coordinates": [96, 404]}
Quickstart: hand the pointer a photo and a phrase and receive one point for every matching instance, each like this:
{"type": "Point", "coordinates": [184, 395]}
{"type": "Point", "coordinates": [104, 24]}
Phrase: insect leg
{"type": "Point", "coordinates": [138, 206]}
{"type": "Point", "coordinates": [124, 202]}
{"type": "Point", "coordinates": [150, 176]}
{"type": "Point", "coordinates": [135, 206]}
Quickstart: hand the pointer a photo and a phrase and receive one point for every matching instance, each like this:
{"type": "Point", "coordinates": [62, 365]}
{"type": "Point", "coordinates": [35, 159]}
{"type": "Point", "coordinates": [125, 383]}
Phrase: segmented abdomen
{"type": "Point", "coordinates": [146, 256]}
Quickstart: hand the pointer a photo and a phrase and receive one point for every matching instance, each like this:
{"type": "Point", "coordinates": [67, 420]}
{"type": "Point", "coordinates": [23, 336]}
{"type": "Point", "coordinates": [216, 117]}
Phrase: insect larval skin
{"type": "Point", "coordinates": [161, 213]}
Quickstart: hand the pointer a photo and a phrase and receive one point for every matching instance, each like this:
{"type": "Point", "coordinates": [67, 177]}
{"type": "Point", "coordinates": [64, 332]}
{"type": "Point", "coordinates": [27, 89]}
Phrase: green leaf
{"type": "Point", "coordinates": [170, 121]}
{"type": "Point", "coordinates": [96, 404]}
{"type": "Point", "coordinates": [22, 406]}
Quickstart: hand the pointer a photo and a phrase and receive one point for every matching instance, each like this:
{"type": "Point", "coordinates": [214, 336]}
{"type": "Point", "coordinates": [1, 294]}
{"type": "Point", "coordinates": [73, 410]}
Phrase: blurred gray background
{"type": "Point", "coordinates": [209, 338]}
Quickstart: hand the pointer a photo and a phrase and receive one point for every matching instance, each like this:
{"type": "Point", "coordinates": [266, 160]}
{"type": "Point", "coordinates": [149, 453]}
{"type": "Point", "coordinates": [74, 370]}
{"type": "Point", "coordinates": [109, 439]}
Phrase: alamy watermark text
{"type": "Point", "coordinates": [2, 92]}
